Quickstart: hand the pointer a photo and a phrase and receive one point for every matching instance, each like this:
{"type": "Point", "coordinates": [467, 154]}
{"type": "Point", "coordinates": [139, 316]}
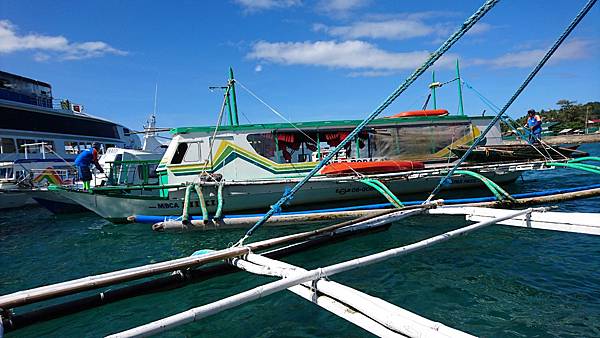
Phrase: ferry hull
{"type": "Point", "coordinates": [257, 197]}
{"type": "Point", "coordinates": [14, 199]}
{"type": "Point", "coordinates": [55, 203]}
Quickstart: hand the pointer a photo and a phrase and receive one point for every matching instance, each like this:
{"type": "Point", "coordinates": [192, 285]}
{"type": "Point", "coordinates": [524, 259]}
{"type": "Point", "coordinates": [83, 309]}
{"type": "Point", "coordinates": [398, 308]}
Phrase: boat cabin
{"type": "Point", "coordinates": [266, 151]}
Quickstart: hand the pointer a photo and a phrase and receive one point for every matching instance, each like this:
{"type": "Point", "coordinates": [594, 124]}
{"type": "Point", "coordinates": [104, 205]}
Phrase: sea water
{"type": "Point", "coordinates": [496, 282]}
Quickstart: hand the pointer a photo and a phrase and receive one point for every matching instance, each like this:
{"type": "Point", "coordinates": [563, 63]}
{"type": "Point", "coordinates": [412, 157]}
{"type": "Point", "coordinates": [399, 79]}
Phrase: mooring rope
{"type": "Point", "coordinates": [533, 73]}
{"type": "Point", "coordinates": [433, 57]}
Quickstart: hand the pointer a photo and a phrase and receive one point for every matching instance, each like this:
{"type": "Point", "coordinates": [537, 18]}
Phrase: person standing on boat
{"type": "Point", "coordinates": [534, 124]}
{"type": "Point", "coordinates": [83, 162]}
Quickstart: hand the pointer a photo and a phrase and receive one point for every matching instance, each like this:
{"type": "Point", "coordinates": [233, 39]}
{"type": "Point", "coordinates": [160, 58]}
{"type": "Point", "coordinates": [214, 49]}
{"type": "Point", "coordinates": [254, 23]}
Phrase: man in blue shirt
{"type": "Point", "coordinates": [83, 162]}
{"type": "Point", "coordinates": [534, 124]}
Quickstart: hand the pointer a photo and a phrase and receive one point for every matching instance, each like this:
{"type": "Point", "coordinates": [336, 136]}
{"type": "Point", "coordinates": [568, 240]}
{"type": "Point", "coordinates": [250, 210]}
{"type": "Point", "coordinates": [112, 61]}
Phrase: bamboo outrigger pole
{"type": "Point", "coordinates": [312, 275]}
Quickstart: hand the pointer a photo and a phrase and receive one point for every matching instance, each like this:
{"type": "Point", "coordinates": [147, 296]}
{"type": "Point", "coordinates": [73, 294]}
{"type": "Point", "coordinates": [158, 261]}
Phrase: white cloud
{"type": "Point", "coordinates": [48, 46]}
{"type": "Point", "coordinates": [259, 5]}
{"type": "Point", "coordinates": [355, 55]}
{"type": "Point", "coordinates": [391, 29]}
{"type": "Point", "coordinates": [480, 28]}
{"type": "Point", "coordinates": [573, 50]}
{"type": "Point", "coordinates": [397, 27]}
{"type": "Point", "coordinates": [341, 5]}
{"type": "Point", "coordinates": [258, 68]}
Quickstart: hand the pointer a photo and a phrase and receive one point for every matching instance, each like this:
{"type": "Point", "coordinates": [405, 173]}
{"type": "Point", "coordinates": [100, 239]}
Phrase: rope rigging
{"type": "Point", "coordinates": [530, 77]}
{"type": "Point", "coordinates": [509, 122]}
{"type": "Point", "coordinates": [514, 126]}
{"type": "Point", "coordinates": [433, 57]}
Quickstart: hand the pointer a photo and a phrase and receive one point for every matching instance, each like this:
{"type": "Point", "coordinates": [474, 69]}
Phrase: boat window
{"type": "Point", "coordinates": [6, 173]}
{"type": "Point", "coordinates": [7, 146]}
{"type": "Point", "coordinates": [152, 171]}
{"type": "Point", "coordinates": [284, 147]}
{"type": "Point", "coordinates": [30, 149]}
{"type": "Point", "coordinates": [13, 118]}
{"type": "Point", "coordinates": [71, 148]}
{"type": "Point", "coordinates": [179, 153]}
{"type": "Point", "coordinates": [48, 143]}
{"type": "Point", "coordinates": [263, 144]}
{"type": "Point", "coordinates": [193, 153]}
{"type": "Point", "coordinates": [418, 142]}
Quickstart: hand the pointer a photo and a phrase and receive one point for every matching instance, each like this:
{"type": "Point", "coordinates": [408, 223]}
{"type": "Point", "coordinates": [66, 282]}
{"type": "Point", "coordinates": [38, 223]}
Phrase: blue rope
{"type": "Point", "coordinates": [488, 5]}
{"type": "Point", "coordinates": [533, 73]}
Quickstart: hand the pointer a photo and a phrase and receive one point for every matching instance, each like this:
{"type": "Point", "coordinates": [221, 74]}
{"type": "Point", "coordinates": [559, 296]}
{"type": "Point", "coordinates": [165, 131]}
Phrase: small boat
{"type": "Point", "coordinates": [420, 113]}
{"type": "Point", "coordinates": [374, 167]}
{"type": "Point", "coordinates": [518, 152]}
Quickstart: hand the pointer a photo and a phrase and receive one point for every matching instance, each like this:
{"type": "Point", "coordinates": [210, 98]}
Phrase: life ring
{"type": "Point", "coordinates": [415, 113]}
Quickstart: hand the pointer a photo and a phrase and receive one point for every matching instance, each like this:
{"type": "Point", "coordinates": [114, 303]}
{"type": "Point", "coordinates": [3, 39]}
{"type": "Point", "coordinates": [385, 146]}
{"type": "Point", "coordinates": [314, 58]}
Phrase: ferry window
{"type": "Point", "coordinates": [179, 153]}
{"type": "Point", "coordinates": [7, 146]}
{"type": "Point", "coordinates": [193, 153]}
{"type": "Point", "coordinates": [30, 149]}
{"type": "Point", "coordinates": [6, 173]}
{"type": "Point", "coordinates": [49, 144]}
{"type": "Point", "coordinates": [52, 123]}
{"type": "Point", "coordinates": [126, 131]}
{"type": "Point", "coordinates": [71, 148]}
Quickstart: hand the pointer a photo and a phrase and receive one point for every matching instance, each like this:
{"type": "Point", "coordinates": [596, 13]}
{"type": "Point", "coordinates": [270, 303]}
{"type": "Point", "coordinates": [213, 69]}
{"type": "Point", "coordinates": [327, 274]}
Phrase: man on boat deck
{"type": "Point", "coordinates": [83, 161]}
{"type": "Point", "coordinates": [534, 124]}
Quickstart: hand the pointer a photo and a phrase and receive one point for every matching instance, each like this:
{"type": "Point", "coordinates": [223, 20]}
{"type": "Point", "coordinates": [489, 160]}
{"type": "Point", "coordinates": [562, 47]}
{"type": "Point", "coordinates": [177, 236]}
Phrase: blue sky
{"type": "Point", "coordinates": [310, 60]}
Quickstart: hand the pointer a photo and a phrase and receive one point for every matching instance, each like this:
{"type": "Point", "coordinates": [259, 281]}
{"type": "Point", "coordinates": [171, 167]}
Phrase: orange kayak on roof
{"type": "Point", "coordinates": [431, 112]}
{"type": "Point", "coordinates": [377, 167]}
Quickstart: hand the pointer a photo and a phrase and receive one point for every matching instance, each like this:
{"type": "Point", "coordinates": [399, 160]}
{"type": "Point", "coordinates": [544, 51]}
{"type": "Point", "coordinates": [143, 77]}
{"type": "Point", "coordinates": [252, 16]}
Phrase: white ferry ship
{"type": "Point", "coordinates": [40, 136]}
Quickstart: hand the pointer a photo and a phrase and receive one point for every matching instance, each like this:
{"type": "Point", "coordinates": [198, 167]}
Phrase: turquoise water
{"type": "Point", "coordinates": [497, 282]}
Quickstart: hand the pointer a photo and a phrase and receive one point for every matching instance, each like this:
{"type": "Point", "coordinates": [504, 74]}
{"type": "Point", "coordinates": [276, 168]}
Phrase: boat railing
{"type": "Point", "coordinates": [133, 172]}
{"type": "Point", "coordinates": [66, 104]}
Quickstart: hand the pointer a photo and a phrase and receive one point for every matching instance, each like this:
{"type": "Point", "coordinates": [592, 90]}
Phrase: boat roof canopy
{"type": "Point", "coordinates": [326, 125]}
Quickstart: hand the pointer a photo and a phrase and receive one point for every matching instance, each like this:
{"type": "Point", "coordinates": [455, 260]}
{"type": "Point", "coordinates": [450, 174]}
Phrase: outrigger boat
{"type": "Point", "coordinates": [518, 152]}
{"type": "Point", "coordinates": [371, 313]}
{"type": "Point", "coordinates": [219, 169]}
{"type": "Point", "coordinates": [245, 167]}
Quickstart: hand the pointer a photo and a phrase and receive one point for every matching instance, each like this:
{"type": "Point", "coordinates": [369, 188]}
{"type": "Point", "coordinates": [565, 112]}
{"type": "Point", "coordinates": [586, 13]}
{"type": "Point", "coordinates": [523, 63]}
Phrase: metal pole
{"type": "Point", "coordinates": [233, 98]}
{"type": "Point", "coordinates": [433, 90]}
{"type": "Point", "coordinates": [228, 104]}
{"type": "Point", "coordinates": [587, 112]}
{"type": "Point", "coordinates": [460, 97]}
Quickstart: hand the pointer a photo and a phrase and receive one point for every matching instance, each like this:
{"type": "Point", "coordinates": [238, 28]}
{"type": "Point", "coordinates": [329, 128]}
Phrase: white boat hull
{"type": "Point", "coordinates": [239, 197]}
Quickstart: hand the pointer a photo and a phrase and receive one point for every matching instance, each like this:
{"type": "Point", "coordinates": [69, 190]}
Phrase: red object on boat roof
{"type": "Point", "coordinates": [376, 167]}
{"type": "Point", "coordinates": [431, 112]}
